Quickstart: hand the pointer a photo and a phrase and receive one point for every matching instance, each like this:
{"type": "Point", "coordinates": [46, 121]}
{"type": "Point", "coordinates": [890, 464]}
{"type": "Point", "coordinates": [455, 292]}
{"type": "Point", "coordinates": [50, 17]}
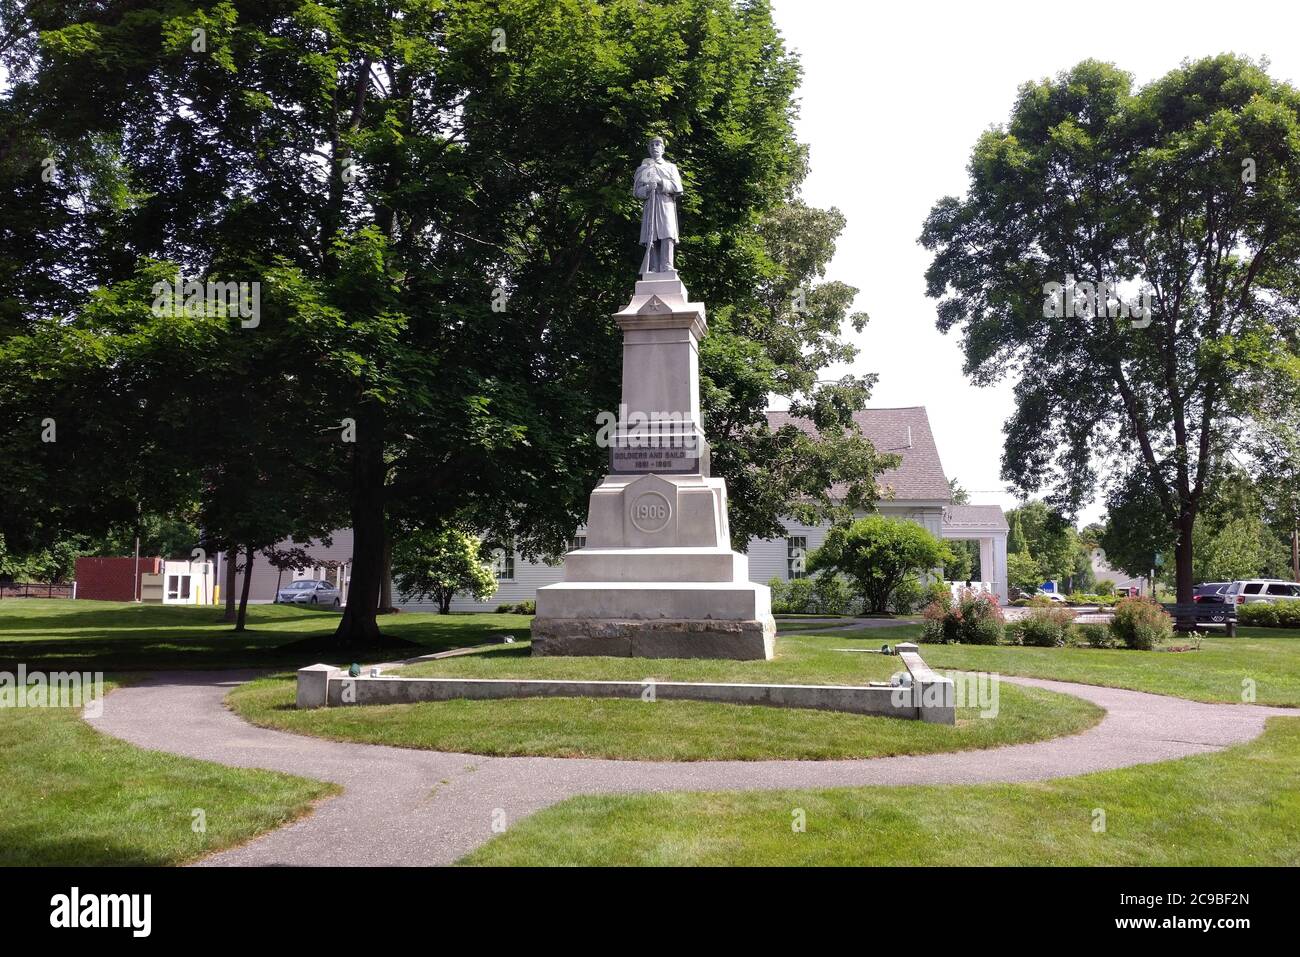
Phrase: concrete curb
{"type": "Point", "coordinates": [929, 697]}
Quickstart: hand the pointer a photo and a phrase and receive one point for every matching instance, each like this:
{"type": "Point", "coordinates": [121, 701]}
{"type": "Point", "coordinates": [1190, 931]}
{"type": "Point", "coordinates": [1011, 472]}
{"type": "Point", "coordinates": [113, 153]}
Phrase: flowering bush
{"type": "Point", "coordinates": [1140, 622]}
{"type": "Point", "coordinates": [975, 619]}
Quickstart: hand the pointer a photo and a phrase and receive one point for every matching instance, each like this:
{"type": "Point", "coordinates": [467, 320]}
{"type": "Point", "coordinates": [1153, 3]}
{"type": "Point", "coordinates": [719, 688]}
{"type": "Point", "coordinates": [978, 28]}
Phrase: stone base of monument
{"type": "Point", "coordinates": [657, 577]}
{"type": "Point", "coordinates": [655, 638]}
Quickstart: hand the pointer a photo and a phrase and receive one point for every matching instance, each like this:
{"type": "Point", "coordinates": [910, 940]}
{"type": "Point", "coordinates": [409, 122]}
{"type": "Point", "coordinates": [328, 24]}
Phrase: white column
{"type": "Point", "coordinates": [998, 564]}
{"type": "Point", "coordinates": [987, 564]}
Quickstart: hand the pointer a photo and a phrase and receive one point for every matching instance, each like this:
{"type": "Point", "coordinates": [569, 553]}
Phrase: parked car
{"type": "Point", "coordinates": [1211, 593]}
{"type": "Point", "coordinates": [1051, 596]}
{"type": "Point", "coordinates": [1253, 590]}
{"type": "Point", "coordinates": [308, 592]}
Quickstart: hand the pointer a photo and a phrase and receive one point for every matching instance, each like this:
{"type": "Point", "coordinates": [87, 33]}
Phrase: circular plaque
{"type": "Point", "coordinates": [651, 512]}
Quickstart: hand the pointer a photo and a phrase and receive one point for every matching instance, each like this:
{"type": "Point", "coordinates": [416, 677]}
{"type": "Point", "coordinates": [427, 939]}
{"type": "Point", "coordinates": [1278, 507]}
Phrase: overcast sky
{"type": "Point", "coordinates": [893, 99]}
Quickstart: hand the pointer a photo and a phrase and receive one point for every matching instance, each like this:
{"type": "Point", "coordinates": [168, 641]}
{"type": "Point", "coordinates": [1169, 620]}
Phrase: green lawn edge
{"type": "Point", "coordinates": [1231, 808]}
{"type": "Point", "coordinates": [74, 796]}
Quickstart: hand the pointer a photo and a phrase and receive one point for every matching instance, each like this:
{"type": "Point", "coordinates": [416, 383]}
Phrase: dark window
{"type": "Point", "coordinates": [1254, 588]}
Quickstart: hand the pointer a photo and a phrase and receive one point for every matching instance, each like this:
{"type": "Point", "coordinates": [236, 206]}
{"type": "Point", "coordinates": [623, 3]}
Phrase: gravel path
{"type": "Point", "coordinates": [402, 806]}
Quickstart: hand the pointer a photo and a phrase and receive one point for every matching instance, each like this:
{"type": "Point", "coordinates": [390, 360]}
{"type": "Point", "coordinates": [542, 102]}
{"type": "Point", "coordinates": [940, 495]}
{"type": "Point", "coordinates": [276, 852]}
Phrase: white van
{"type": "Point", "coordinates": [1254, 590]}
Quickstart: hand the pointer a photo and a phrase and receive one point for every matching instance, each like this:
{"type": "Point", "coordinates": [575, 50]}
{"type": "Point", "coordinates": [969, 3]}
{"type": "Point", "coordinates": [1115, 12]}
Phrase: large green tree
{"type": "Point", "coordinates": [1187, 190]}
{"type": "Point", "coordinates": [440, 194]}
{"type": "Point", "coordinates": [1049, 537]}
{"type": "Point", "coordinates": [878, 555]}
{"type": "Point", "coordinates": [438, 564]}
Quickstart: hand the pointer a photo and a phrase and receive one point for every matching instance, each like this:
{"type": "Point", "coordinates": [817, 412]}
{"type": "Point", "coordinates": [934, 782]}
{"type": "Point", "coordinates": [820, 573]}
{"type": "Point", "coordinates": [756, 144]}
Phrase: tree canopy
{"type": "Point", "coordinates": [434, 201]}
{"type": "Point", "coordinates": [1093, 194]}
{"type": "Point", "coordinates": [878, 555]}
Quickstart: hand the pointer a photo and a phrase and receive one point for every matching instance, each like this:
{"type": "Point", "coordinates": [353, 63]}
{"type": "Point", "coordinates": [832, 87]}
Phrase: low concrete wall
{"type": "Point", "coordinates": [930, 698]}
{"type": "Point", "coordinates": [935, 694]}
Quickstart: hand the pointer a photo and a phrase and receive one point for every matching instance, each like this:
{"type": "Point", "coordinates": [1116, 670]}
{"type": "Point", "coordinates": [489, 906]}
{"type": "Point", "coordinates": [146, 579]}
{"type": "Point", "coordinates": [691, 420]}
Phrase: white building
{"type": "Point", "coordinates": [179, 583]}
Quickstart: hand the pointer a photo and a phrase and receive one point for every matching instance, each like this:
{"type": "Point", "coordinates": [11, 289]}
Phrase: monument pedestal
{"type": "Point", "coordinates": [657, 578]}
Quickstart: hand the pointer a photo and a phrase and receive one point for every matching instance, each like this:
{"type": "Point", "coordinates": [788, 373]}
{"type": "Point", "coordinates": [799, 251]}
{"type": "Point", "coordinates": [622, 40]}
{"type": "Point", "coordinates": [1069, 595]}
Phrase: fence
{"type": "Point", "coordinates": [37, 590]}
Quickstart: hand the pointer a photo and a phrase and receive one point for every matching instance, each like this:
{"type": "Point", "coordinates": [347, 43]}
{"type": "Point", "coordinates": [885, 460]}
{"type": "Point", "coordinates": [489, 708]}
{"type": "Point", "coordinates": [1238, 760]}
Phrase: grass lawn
{"type": "Point", "coordinates": [1270, 657]}
{"type": "Point", "coordinates": [123, 636]}
{"type": "Point", "coordinates": [665, 730]}
{"type": "Point", "coordinates": [1235, 807]}
{"type": "Point", "coordinates": [75, 797]}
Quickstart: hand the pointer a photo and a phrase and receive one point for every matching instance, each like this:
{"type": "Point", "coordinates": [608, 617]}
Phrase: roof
{"type": "Point", "coordinates": [904, 432]}
{"type": "Point", "coordinates": [975, 516]}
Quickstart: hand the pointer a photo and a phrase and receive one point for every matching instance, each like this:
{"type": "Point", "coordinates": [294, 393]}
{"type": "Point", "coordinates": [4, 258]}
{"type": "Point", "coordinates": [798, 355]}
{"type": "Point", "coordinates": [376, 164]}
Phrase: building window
{"type": "Point", "coordinates": [796, 557]}
{"type": "Point", "coordinates": [577, 542]}
{"type": "Point", "coordinates": [503, 563]}
{"type": "Point", "coordinates": [178, 587]}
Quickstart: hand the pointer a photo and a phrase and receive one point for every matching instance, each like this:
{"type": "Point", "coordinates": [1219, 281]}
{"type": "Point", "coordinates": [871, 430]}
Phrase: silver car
{"type": "Point", "coordinates": [1251, 591]}
{"type": "Point", "coordinates": [308, 592]}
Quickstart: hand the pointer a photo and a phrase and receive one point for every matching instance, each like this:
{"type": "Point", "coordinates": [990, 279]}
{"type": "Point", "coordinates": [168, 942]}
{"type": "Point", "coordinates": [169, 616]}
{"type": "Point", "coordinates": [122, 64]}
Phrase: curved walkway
{"type": "Point", "coordinates": [402, 806]}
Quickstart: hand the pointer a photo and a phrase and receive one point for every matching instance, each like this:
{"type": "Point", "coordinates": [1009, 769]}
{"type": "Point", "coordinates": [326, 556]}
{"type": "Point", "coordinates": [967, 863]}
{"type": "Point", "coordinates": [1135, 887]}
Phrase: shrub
{"type": "Point", "coordinates": [1106, 586]}
{"type": "Point", "coordinates": [973, 620]}
{"type": "Point", "coordinates": [1139, 623]}
{"type": "Point", "coordinates": [940, 592]}
{"type": "Point", "coordinates": [794, 597]}
{"type": "Point", "coordinates": [878, 554]}
{"type": "Point", "coordinates": [1281, 614]}
{"type": "Point", "coordinates": [528, 607]}
{"type": "Point", "coordinates": [504, 609]}
{"type": "Point", "coordinates": [983, 631]}
{"type": "Point", "coordinates": [941, 623]}
{"type": "Point", "coordinates": [1094, 635]}
{"type": "Point", "coordinates": [1046, 627]}
{"type": "Point", "coordinates": [824, 594]}
{"type": "Point", "coordinates": [1087, 598]}
{"type": "Point", "coordinates": [832, 595]}
{"type": "Point", "coordinates": [907, 597]}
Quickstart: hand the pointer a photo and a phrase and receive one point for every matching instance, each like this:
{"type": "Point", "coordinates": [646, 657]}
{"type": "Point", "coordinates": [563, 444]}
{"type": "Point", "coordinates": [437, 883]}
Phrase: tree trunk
{"type": "Point", "coordinates": [386, 586]}
{"type": "Point", "coordinates": [358, 625]}
{"type": "Point", "coordinates": [243, 595]}
{"type": "Point", "coordinates": [1183, 577]}
{"type": "Point", "coordinates": [444, 604]}
{"type": "Point", "coordinates": [231, 612]}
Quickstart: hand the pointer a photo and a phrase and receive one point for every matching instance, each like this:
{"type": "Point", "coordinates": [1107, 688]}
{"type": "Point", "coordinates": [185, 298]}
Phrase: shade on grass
{"type": "Point", "coordinates": [1237, 807]}
{"type": "Point", "coordinates": [121, 636]}
{"type": "Point", "coordinates": [73, 796]}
